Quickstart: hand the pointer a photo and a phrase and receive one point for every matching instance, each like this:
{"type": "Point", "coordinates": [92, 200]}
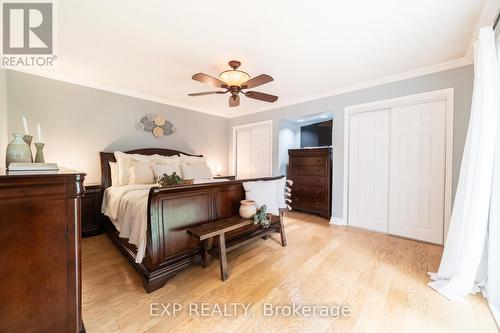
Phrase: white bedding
{"type": "Point", "coordinates": [127, 207]}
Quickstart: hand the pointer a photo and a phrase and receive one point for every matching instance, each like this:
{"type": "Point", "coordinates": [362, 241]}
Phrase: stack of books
{"type": "Point", "coordinates": [19, 167]}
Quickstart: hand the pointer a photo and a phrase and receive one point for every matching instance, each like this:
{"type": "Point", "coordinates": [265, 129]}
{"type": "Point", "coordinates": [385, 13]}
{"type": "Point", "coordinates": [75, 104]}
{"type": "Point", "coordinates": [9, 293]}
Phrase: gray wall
{"type": "Point", "coordinates": [79, 122]}
{"type": "Point", "coordinates": [3, 115]}
{"type": "Point", "coordinates": [288, 138]}
{"type": "Point", "coordinates": [461, 79]}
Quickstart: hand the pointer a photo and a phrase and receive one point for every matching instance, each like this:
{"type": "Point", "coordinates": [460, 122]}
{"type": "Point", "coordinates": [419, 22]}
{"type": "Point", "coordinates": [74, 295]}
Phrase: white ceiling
{"type": "Point", "coordinates": [152, 48]}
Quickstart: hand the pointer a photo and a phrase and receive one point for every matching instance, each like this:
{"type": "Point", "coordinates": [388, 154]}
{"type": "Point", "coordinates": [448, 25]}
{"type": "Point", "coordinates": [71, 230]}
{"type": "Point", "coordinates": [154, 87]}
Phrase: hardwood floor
{"type": "Point", "coordinates": [382, 278]}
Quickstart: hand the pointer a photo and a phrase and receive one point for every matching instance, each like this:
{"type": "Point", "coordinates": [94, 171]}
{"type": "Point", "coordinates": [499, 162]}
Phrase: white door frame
{"type": "Point", "coordinates": [233, 144]}
{"type": "Point", "coordinates": [431, 96]}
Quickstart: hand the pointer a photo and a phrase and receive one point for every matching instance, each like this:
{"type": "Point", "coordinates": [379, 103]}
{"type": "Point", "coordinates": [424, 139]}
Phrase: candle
{"type": "Point", "coordinates": [39, 130]}
{"type": "Point", "coordinates": [25, 124]}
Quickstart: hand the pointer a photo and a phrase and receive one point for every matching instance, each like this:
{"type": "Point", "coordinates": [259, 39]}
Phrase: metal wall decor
{"type": "Point", "coordinates": [155, 124]}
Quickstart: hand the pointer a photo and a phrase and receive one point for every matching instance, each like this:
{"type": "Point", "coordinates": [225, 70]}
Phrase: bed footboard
{"type": "Point", "coordinates": [170, 212]}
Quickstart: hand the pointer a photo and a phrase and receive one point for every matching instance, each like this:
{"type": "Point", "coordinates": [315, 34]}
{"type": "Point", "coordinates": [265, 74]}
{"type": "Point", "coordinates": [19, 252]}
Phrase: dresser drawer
{"type": "Point", "coordinates": [310, 191]}
{"type": "Point", "coordinates": [309, 181]}
{"type": "Point", "coordinates": [308, 161]}
{"type": "Point", "coordinates": [309, 202]}
{"type": "Point", "coordinates": [308, 170]}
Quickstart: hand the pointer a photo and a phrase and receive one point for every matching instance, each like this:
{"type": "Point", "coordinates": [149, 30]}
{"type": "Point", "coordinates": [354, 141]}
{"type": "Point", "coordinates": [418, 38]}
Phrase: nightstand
{"type": "Point", "coordinates": [225, 177]}
{"type": "Point", "coordinates": [91, 207]}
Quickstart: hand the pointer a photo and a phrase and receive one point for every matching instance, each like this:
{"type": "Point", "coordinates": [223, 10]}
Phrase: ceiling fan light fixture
{"type": "Point", "coordinates": [234, 77]}
{"type": "Point", "coordinates": [235, 81]}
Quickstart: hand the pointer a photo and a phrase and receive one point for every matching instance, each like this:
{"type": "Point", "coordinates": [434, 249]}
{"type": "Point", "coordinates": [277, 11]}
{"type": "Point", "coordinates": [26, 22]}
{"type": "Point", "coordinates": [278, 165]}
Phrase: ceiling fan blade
{"type": "Point", "coordinates": [207, 93]}
{"type": "Point", "coordinates": [204, 78]}
{"type": "Point", "coordinates": [234, 100]}
{"type": "Point", "coordinates": [261, 96]}
{"type": "Point", "coordinates": [256, 81]}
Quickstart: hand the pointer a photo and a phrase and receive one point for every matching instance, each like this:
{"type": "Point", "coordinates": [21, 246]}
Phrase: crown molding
{"type": "Point", "coordinates": [369, 84]}
{"type": "Point", "coordinates": [358, 86]}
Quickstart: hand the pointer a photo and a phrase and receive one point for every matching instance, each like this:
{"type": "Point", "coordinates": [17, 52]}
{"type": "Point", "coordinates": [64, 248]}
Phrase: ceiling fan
{"type": "Point", "coordinates": [235, 81]}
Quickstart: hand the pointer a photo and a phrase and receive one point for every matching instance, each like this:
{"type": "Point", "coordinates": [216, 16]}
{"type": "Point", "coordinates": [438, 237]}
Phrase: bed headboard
{"type": "Point", "coordinates": [110, 157]}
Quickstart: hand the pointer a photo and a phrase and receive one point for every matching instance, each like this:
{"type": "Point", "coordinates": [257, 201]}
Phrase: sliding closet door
{"type": "Point", "coordinates": [253, 150]}
{"type": "Point", "coordinates": [261, 151]}
{"type": "Point", "coordinates": [368, 169]}
{"type": "Point", "coordinates": [417, 171]}
{"type": "Point", "coordinates": [244, 153]}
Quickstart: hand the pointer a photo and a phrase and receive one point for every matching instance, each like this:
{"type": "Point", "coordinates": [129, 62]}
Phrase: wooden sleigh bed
{"type": "Point", "coordinates": [171, 211]}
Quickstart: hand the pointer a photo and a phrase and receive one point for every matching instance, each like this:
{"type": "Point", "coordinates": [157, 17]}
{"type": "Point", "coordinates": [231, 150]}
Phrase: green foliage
{"type": "Point", "coordinates": [168, 180]}
{"type": "Point", "coordinates": [261, 217]}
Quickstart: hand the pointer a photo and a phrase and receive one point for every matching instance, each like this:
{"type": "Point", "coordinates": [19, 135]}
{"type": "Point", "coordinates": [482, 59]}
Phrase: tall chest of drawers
{"type": "Point", "coordinates": [311, 172]}
{"type": "Point", "coordinates": [40, 250]}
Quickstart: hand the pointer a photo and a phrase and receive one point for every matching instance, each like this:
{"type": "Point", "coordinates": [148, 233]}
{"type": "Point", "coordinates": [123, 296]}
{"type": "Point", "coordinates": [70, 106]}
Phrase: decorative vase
{"type": "Point", "coordinates": [247, 209]}
{"type": "Point", "coordinates": [39, 152]}
{"type": "Point", "coordinates": [27, 138]}
{"type": "Point", "coordinates": [18, 151]}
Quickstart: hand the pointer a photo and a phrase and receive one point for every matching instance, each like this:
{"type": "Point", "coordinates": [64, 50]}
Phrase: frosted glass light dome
{"type": "Point", "coordinates": [234, 77]}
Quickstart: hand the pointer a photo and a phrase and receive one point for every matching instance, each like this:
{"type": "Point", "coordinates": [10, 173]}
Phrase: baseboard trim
{"type": "Point", "coordinates": [337, 220]}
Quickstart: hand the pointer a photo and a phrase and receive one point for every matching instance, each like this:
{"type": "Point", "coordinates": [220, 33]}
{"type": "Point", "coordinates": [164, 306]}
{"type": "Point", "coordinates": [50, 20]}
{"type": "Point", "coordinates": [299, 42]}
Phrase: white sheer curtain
{"type": "Point", "coordinates": [493, 254]}
{"type": "Point", "coordinates": [471, 257]}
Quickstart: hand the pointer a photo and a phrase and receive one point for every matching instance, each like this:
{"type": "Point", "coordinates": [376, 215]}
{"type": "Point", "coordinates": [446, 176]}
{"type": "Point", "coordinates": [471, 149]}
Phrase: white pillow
{"type": "Point", "coordinates": [192, 159]}
{"type": "Point", "coordinates": [168, 169]}
{"type": "Point", "coordinates": [113, 167]}
{"type": "Point", "coordinates": [141, 173]}
{"type": "Point", "coordinates": [263, 193]}
{"type": "Point", "coordinates": [280, 192]}
{"type": "Point", "coordinates": [124, 162]}
{"type": "Point", "coordinates": [175, 159]}
{"type": "Point", "coordinates": [196, 171]}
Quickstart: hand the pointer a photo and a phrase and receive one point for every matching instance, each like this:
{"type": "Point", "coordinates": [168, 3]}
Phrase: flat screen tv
{"type": "Point", "coordinates": [316, 135]}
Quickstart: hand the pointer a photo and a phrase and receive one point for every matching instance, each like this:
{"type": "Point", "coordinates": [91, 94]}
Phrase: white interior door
{"type": "Point", "coordinates": [244, 153]}
{"type": "Point", "coordinates": [253, 150]}
{"type": "Point", "coordinates": [417, 171]}
{"type": "Point", "coordinates": [368, 169]}
{"type": "Point", "coordinates": [261, 151]}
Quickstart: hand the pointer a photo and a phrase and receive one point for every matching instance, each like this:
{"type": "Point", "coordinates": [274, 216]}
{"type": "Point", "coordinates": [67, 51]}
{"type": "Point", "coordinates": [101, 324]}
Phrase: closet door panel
{"type": "Point", "coordinates": [253, 151]}
{"type": "Point", "coordinates": [244, 153]}
{"type": "Point", "coordinates": [417, 171]}
{"type": "Point", "coordinates": [261, 151]}
{"type": "Point", "coordinates": [368, 169]}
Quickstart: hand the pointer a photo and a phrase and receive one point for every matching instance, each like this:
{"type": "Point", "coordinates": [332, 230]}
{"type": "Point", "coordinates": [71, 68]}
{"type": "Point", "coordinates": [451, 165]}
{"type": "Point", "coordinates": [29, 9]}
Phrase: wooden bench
{"type": "Point", "coordinates": [206, 232]}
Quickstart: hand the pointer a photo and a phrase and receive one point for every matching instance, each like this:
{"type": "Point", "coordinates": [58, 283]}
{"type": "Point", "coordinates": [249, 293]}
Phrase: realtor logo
{"type": "Point", "coordinates": [27, 29]}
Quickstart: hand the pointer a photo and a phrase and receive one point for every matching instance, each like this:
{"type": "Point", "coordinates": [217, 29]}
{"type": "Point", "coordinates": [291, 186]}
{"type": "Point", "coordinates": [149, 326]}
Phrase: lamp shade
{"type": "Point", "coordinates": [234, 77]}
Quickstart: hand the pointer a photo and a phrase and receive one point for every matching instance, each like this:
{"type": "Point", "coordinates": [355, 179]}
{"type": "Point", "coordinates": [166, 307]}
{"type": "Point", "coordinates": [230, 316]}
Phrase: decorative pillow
{"type": "Point", "coordinates": [141, 173]}
{"type": "Point", "coordinates": [175, 159]}
{"type": "Point", "coordinates": [168, 169]}
{"type": "Point", "coordinates": [124, 162]}
{"type": "Point", "coordinates": [263, 193]}
{"type": "Point", "coordinates": [280, 192]}
{"type": "Point", "coordinates": [192, 159]}
{"type": "Point", "coordinates": [113, 167]}
{"type": "Point", "coordinates": [196, 171]}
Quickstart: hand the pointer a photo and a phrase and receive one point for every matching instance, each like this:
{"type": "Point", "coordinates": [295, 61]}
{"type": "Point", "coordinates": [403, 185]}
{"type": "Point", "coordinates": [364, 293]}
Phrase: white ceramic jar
{"type": "Point", "coordinates": [247, 209]}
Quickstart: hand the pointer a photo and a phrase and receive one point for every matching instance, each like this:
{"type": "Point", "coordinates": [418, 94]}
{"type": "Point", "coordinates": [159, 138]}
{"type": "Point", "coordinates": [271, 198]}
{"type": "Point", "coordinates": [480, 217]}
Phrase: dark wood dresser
{"type": "Point", "coordinates": [40, 280]}
{"type": "Point", "coordinates": [91, 209]}
{"type": "Point", "coordinates": [311, 172]}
